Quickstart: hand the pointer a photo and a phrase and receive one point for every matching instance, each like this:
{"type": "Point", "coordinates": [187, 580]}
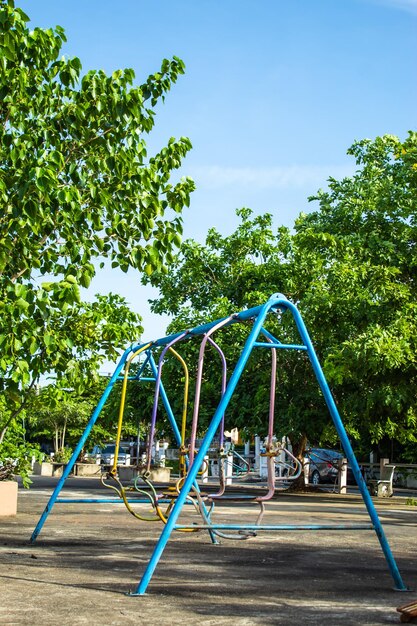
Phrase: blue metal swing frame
{"type": "Point", "coordinates": [276, 304]}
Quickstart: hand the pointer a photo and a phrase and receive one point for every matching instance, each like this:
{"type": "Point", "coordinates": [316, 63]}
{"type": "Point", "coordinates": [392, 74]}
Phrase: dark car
{"type": "Point", "coordinates": [324, 465]}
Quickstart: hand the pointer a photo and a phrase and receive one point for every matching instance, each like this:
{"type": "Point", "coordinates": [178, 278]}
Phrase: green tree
{"type": "Point", "coordinates": [350, 267]}
{"type": "Point", "coordinates": [76, 187]}
{"type": "Point", "coordinates": [59, 420]}
{"type": "Point", "coordinates": [359, 265]}
{"type": "Point", "coordinates": [226, 275]}
{"type": "Point", "coordinates": [16, 453]}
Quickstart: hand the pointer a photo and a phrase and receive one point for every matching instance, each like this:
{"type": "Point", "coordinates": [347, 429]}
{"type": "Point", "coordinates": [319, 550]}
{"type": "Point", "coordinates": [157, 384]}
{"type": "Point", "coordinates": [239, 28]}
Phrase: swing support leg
{"type": "Point", "coordinates": [346, 445]}
{"type": "Point", "coordinates": [192, 474]}
{"type": "Point", "coordinates": [79, 447]}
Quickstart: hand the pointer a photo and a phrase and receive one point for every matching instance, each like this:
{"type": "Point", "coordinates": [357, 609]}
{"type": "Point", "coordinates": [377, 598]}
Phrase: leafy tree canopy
{"type": "Point", "coordinates": [15, 451]}
{"type": "Point", "coordinates": [360, 288]}
{"type": "Point", "coordinates": [350, 266]}
{"type": "Point", "coordinates": [76, 186]}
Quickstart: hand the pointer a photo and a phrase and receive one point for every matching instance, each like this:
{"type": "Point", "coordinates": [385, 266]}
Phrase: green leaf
{"type": "Point", "coordinates": [76, 192]}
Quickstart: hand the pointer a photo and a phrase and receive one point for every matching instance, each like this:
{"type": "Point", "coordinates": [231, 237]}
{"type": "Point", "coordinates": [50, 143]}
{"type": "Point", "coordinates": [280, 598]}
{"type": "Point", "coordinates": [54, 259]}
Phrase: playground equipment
{"type": "Point", "coordinates": [187, 489]}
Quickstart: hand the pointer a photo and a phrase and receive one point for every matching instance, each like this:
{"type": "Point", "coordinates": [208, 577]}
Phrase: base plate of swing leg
{"type": "Point", "coordinates": [134, 594]}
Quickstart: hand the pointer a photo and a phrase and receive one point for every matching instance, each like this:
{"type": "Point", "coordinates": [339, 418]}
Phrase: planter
{"type": "Point", "coordinates": [43, 469]}
{"type": "Point", "coordinates": [58, 468]}
{"type": "Point", "coordinates": [157, 474]}
{"type": "Point", "coordinates": [48, 469]}
{"type": "Point", "coordinates": [8, 497]}
{"type": "Point", "coordinates": [87, 469]}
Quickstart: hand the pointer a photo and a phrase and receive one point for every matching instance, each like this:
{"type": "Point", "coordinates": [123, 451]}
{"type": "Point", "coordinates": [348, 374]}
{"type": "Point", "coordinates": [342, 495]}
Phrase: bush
{"type": "Point", "coordinates": [63, 455]}
{"type": "Point", "coordinates": [16, 459]}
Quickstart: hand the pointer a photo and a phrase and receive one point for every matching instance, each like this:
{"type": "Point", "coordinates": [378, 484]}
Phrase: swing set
{"type": "Point", "coordinates": [166, 507]}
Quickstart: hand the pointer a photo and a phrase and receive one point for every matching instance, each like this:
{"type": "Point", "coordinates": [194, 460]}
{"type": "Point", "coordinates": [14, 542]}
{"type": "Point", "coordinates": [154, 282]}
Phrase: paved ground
{"type": "Point", "coordinates": [88, 556]}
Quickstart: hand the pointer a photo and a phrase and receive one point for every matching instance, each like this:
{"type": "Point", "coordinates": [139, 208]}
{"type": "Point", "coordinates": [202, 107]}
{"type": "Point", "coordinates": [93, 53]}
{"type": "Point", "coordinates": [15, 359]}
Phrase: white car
{"type": "Point", "coordinates": [107, 455]}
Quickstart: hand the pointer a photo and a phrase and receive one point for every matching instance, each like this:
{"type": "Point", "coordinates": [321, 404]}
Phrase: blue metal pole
{"type": "Point", "coordinates": [260, 313]}
{"type": "Point", "coordinates": [279, 346]}
{"type": "Point", "coordinates": [346, 445]}
{"type": "Point", "coordinates": [204, 328]}
{"type": "Point", "coordinates": [109, 501]}
{"type": "Point", "coordinates": [79, 446]}
{"type": "Point", "coordinates": [138, 375]}
{"type": "Point", "coordinates": [272, 527]}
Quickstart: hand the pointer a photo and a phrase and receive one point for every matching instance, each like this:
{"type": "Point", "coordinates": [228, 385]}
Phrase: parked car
{"type": "Point", "coordinates": [324, 466]}
{"type": "Point", "coordinates": [107, 455]}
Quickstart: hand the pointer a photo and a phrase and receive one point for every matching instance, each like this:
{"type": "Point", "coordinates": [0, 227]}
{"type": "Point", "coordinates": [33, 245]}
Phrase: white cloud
{"type": "Point", "coordinates": [279, 177]}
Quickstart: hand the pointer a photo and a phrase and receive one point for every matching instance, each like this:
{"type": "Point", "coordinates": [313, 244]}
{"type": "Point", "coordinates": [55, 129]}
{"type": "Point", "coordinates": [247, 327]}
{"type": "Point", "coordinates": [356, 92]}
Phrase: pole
{"type": "Point", "coordinates": [79, 446]}
{"type": "Point", "coordinates": [192, 474]}
{"type": "Point", "coordinates": [346, 445]}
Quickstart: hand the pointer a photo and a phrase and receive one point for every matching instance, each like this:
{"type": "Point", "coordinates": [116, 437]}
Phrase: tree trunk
{"type": "Point", "coordinates": [64, 428]}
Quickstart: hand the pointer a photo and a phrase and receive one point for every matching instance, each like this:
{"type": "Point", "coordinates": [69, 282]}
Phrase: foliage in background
{"type": "Point", "coordinates": [350, 267]}
{"type": "Point", "coordinates": [16, 451]}
{"type": "Point", "coordinates": [56, 418]}
{"type": "Point", "coordinates": [360, 289]}
{"type": "Point", "coordinates": [61, 419]}
{"type": "Point", "coordinates": [77, 187]}
{"type": "Point", "coordinates": [227, 275]}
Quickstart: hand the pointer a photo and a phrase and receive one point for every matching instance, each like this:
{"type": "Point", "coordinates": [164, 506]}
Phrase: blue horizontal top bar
{"type": "Point", "coordinates": [276, 301]}
{"type": "Point", "coordinates": [279, 346]}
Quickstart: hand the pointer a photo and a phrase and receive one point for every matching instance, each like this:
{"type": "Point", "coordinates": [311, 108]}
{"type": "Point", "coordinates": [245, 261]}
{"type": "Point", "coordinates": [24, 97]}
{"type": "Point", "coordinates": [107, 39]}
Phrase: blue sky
{"type": "Point", "coordinates": [275, 91]}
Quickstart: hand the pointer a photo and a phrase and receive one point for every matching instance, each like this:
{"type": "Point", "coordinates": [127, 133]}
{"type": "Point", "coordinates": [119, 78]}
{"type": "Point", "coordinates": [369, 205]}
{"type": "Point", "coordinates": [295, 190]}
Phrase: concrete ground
{"type": "Point", "coordinates": [89, 555]}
